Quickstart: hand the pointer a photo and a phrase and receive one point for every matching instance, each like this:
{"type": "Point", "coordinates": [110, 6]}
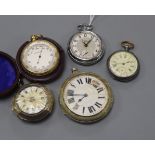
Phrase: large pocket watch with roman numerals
{"type": "Point", "coordinates": [86, 47]}
{"type": "Point", "coordinates": [123, 65]}
{"type": "Point", "coordinates": [41, 59]}
{"type": "Point", "coordinates": [85, 97]}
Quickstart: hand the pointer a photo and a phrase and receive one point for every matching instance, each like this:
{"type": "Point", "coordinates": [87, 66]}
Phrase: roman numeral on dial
{"type": "Point", "coordinates": [101, 97]}
{"type": "Point", "coordinates": [76, 107]}
{"type": "Point", "coordinates": [98, 104]}
{"type": "Point", "coordinates": [100, 90]}
{"type": "Point", "coordinates": [83, 110]}
{"type": "Point", "coordinates": [70, 92]}
{"type": "Point", "coordinates": [88, 80]}
{"type": "Point", "coordinates": [91, 109]}
{"type": "Point", "coordinates": [80, 81]}
{"type": "Point", "coordinates": [71, 100]}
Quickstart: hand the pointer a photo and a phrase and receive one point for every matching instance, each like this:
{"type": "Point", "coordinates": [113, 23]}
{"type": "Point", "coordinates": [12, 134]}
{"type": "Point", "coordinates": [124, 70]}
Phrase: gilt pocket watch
{"type": "Point", "coordinates": [85, 97]}
{"type": "Point", "coordinates": [33, 102]}
{"type": "Point", "coordinates": [41, 59]}
{"type": "Point", "coordinates": [123, 65]}
{"type": "Point", "coordinates": [85, 47]}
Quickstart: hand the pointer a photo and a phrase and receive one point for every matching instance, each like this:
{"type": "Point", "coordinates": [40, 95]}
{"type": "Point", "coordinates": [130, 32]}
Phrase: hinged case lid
{"type": "Point", "coordinates": [9, 74]}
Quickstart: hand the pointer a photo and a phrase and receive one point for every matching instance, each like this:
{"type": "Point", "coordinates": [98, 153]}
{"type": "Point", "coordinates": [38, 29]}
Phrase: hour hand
{"type": "Point", "coordinates": [85, 44]}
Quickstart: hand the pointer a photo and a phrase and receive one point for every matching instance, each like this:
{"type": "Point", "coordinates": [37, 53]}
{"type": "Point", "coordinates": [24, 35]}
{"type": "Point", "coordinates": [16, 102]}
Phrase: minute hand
{"type": "Point", "coordinates": [88, 42]}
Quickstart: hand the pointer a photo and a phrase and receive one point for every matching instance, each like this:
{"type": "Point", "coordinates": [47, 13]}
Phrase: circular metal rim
{"type": "Point", "coordinates": [37, 116]}
{"type": "Point", "coordinates": [86, 119]}
{"type": "Point", "coordinates": [86, 62]}
{"type": "Point", "coordinates": [16, 83]}
{"type": "Point", "coordinates": [49, 71]}
{"type": "Point", "coordinates": [124, 79]}
{"type": "Point", "coordinates": [45, 78]}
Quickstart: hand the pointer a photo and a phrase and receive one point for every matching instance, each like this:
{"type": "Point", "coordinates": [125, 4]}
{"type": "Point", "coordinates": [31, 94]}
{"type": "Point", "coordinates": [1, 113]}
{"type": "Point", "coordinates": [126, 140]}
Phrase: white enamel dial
{"type": "Point", "coordinates": [123, 64]}
{"type": "Point", "coordinates": [86, 45]}
{"type": "Point", "coordinates": [32, 100]}
{"type": "Point", "coordinates": [40, 57]}
{"type": "Point", "coordinates": [85, 95]}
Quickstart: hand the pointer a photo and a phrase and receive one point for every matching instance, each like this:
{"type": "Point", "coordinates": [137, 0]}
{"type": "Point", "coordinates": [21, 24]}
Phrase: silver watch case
{"type": "Point", "coordinates": [86, 62]}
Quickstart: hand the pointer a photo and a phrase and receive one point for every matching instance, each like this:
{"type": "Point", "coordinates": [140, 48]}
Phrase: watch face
{"type": "Point", "coordinates": [40, 57]}
{"type": "Point", "coordinates": [33, 102]}
{"type": "Point", "coordinates": [86, 96]}
{"type": "Point", "coordinates": [86, 45]}
{"type": "Point", "coordinates": [123, 64]}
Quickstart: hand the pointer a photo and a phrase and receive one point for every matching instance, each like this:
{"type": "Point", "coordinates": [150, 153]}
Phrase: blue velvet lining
{"type": "Point", "coordinates": [7, 74]}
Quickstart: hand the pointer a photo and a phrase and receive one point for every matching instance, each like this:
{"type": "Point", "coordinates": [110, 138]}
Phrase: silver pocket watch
{"type": "Point", "coordinates": [85, 47]}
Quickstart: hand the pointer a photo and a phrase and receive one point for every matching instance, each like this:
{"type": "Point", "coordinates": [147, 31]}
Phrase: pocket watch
{"type": "Point", "coordinates": [41, 59]}
{"type": "Point", "coordinates": [33, 102]}
{"type": "Point", "coordinates": [85, 97]}
{"type": "Point", "coordinates": [85, 47]}
{"type": "Point", "coordinates": [123, 65]}
{"type": "Point", "coordinates": [9, 75]}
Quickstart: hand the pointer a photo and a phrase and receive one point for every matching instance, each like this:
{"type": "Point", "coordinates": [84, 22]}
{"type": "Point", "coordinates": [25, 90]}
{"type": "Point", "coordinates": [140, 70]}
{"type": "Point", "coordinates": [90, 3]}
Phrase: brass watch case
{"type": "Point", "coordinates": [38, 116]}
{"type": "Point", "coordinates": [55, 65]}
{"type": "Point", "coordinates": [85, 119]}
{"type": "Point", "coordinates": [53, 73]}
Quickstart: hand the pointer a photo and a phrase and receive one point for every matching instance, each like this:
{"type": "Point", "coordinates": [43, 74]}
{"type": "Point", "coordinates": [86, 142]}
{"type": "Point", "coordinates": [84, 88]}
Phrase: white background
{"type": "Point", "coordinates": [104, 7]}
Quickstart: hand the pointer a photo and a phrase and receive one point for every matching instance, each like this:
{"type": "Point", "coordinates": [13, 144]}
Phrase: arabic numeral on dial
{"type": "Point", "coordinates": [96, 40]}
{"type": "Point", "coordinates": [92, 36]}
{"type": "Point", "coordinates": [74, 40]}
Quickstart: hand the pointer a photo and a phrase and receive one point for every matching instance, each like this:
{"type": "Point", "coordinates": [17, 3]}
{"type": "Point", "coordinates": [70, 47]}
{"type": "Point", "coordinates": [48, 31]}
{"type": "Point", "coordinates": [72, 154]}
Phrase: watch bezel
{"type": "Point", "coordinates": [123, 79]}
{"type": "Point", "coordinates": [16, 83]}
{"type": "Point", "coordinates": [86, 119]}
{"type": "Point", "coordinates": [84, 61]}
{"type": "Point", "coordinates": [51, 76]}
{"type": "Point", "coordinates": [37, 116]}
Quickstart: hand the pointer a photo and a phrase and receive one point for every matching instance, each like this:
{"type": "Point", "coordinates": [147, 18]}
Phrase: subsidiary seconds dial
{"type": "Point", "coordinates": [86, 97]}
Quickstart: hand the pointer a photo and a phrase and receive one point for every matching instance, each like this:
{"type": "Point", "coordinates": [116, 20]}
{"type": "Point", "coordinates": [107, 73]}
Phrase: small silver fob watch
{"type": "Point", "coordinates": [123, 64]}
